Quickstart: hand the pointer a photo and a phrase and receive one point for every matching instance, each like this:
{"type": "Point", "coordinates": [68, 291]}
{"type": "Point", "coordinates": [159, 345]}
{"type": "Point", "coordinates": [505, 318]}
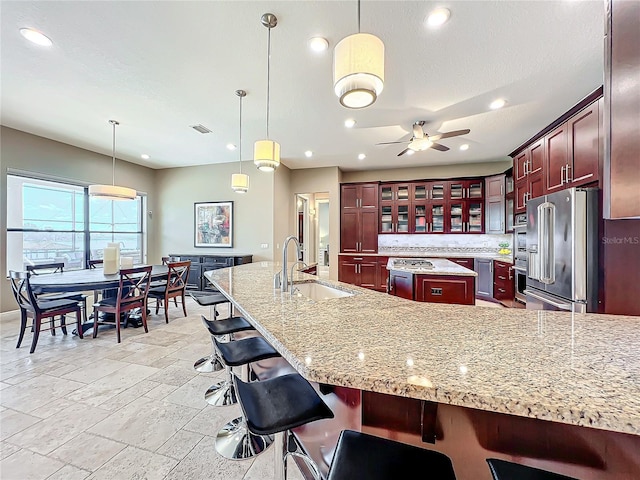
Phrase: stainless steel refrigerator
{"type": "Point", "coordinates": [562, 251]}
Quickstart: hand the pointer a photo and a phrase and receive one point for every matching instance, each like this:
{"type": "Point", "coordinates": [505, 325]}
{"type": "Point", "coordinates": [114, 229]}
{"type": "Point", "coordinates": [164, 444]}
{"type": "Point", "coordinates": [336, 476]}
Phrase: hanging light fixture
{"type": "Point", "coordinates": [266, 153]}
{"type": "Point", "coordinates": [240, 181]}
{"type": "Point", "coordinates": [358, 69]}
{"type": "Point", "coordinates": [112, 192]}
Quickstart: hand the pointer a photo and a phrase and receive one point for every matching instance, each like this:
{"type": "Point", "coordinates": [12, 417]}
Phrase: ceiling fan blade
{"type": "Point", "coordinates": [403, 152]}
{"type": "Point", "coordinates": [455, 133]}
{"type": "Point", "coordinates": [417, 130]}
{"type": "Point", "coordinates": [391, 143]}
{"type": "Point", "coordinates": [437, 146]}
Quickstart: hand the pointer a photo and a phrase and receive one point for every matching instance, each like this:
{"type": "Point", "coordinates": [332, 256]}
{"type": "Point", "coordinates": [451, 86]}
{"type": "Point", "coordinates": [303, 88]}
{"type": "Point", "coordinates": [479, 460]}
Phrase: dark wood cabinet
{"type": "Point", "coordinates": [359, 218]}
{"type": "Point", "coordinates": [395, 204]}
{"type": "Point", "coordinates": [401, 284]}
{"type": "Point", "coordinates": [361, 271]}
{"type": "Point", "coordinates": [383, 274]}
{"type": "Point", "coordinates": [503, 281]}
{"type": "Point", "coordinates": [203, 263]}
{"type": "Point", "coordinates": [530, 182]}
{"type": "Point", "coordinates": [585, 146]}
{"type": "Point", "coordinates": [557, 158]}
{"type": "Point", "coordinates": [444, 289]}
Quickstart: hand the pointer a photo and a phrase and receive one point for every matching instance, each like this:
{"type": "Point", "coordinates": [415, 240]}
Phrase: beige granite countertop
{"type": "Point", "coordinates": [441, 266]}
{"type": "Point", "coordinates": [581, 369]}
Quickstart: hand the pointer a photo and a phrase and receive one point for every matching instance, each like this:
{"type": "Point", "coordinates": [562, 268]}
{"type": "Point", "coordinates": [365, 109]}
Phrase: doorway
{"type": "Point", "coordinates": [312, 229]}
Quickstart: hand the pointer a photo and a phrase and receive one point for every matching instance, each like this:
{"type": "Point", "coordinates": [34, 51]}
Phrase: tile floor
{"type": "Point", "coordinates": [95, 409]}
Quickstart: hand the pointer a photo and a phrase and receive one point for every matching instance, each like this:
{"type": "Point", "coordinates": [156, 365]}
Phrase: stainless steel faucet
{"type": "Point", "coordinates": [285, 279]}
{"type": "Point", "coordinates": [291, 275]}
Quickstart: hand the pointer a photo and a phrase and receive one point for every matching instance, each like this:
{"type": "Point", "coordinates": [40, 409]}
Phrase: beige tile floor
{"type": "Point", "coordinates": [95, 409]}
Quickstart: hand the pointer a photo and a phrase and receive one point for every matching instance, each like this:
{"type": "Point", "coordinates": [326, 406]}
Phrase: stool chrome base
{"type": "Point", "coordinates": [235, 442]}
{"type": "Point", "coordinates": [208, 364]}
{"type": "Point", "coordinates": [222, 394]}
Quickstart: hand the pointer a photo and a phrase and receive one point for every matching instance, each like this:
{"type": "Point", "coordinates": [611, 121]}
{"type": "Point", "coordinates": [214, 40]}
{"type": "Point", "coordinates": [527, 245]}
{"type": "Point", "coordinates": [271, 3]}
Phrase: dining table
{"type": "Point", "coordinates": [86, 280]}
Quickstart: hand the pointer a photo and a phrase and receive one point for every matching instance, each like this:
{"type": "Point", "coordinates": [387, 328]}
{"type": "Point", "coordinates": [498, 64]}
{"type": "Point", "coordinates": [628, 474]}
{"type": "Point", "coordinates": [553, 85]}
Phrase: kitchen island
{"type": "Point", "coordinates": [435, 280]}
{"type": "Point", "coordinates": [555, 390]}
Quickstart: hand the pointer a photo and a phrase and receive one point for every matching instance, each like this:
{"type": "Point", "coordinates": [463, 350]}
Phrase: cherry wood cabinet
{"type": "Point", "coordinates": [395, 204]}
{"type": "Point", "coordinates": [361, 271]}
{"type": "Point", "coordinates": [530, 180]}
{"type": "Point", "coordinates": [557, 158]}
{"type": "Point", "coordinates": [503, 281]}
{"type": "Point", "coordinates": [401, 284]}
{"type": "Point", "coordinates": [585, 146]}
{"type": "Point", "coordinates": [359, 218]}
{"type": "Point", "coordinates": [445, 289]}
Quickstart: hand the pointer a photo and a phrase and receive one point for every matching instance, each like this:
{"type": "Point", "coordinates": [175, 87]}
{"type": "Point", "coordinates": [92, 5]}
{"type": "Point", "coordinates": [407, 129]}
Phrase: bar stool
{"type": "Point", "coordinates": [223, 393]}
{"type": "Point", "coordinates": [504, 470]}
{"type": "Point", "coordinates": [210, 363]}
{"type": "Point", "coordinates": [235, 441]}
{"type": "Point", "coordinates": [360, 455]}
{"type": "Point", "coordinates": [275, 407]}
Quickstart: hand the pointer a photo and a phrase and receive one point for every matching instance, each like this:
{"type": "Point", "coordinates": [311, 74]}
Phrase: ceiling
{"type": "Point", "coordinates": [159, 67]}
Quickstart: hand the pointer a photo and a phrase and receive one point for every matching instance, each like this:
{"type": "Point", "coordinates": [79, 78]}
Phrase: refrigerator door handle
{"type": "Point", "coordinates": [546, 235]}
{"type": "Point", "coordinates": [545, 299]}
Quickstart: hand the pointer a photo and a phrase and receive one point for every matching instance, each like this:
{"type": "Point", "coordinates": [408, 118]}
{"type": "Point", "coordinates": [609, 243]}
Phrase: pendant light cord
{"type": "Point", "coordinates": [268, 77]}
{"type": "Point", "coordinates": [113, 162]}
{"type": "Point", "coordinates": [358, 16]}
{"type": "Point", "coordinates": [240, 146]}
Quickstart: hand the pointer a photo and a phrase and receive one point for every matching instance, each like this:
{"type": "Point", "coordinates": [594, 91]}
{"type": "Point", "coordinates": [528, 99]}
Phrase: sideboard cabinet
{"type": "Point", "coordinates": [203, 263]}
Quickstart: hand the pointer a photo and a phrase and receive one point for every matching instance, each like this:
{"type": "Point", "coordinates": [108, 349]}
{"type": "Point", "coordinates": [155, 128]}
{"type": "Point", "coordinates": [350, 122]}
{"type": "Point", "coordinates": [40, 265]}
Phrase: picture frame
{"type": "Point", "coordinates": [213, 224]}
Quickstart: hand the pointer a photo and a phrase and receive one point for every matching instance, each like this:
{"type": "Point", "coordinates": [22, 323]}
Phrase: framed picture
{"type": "Point", "coordinates": [213, 224]}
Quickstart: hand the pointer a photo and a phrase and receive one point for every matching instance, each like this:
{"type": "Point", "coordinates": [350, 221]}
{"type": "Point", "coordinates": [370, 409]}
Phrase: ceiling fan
{"type": "Point", "coordinates": [421, 141]}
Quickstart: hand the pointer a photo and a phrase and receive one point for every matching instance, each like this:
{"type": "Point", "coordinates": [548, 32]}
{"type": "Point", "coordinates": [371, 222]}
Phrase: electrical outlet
{"type": "Point", "coordinates": [264, 245]}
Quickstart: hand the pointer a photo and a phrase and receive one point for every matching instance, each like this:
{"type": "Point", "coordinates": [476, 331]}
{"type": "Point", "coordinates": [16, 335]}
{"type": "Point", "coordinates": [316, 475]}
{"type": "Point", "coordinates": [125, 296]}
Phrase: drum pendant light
{"type": "Point", "coordinates": [358, 69]}
{"type": "Point", "coordinates": [266, 153]}
{"type": "Point", "coordinates": [112, 192]}
{"type": "Point", "coordinates": [240, 181]}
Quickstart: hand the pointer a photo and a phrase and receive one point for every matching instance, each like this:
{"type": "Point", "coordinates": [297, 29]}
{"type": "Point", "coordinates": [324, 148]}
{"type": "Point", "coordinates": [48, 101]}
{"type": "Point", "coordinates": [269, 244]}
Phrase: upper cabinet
{"type": "Point", "coordinates": [359, 218]}
{"type": "Point", "coordinates": [495, 204]}
{"type": "Point", "coordinates": [439, 206]}
{"type": "Point", "coordinates": [567, 153]}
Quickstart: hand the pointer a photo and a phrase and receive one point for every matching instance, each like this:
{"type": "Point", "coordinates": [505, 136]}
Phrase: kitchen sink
{"type": "Point", "coordinates": [319, 291]}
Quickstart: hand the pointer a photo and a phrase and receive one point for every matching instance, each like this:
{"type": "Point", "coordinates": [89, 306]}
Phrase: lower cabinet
{"type": "Point", "coordinates": [358, 270]}
{"type": "Point", "coordinates": [503, 281]}
{"type": "Point", "coordinates": [484, 280]}
{"type": "Point", "coordinates": [445, 289]}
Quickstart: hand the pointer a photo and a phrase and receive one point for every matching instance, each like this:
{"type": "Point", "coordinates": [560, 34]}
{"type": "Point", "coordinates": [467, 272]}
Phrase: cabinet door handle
{"type": "Point", "coordinates": [491, 267]}
{"type": "Point", "coordinates": [567, 172]}
{"type": "Point", "coordinates": [510, 273]}
{"type": "Point", "coordinates": [562, 175]}
{"type": "Point", "coordinates": [501, 277]}
{"type": "Point", "coordinates": [501, 189]}
{"type": "Point", "coordinates": [530, 169]}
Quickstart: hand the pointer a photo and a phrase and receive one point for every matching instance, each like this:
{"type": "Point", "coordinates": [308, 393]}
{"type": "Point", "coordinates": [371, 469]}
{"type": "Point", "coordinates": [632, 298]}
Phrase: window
{"type": "Point", "coordinates": [50, 221]}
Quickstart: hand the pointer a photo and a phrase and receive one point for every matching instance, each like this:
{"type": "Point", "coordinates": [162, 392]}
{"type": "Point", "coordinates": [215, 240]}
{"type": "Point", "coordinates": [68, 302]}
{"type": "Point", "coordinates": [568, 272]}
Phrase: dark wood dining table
{"type": "Point", "coordinates": [85, 280]}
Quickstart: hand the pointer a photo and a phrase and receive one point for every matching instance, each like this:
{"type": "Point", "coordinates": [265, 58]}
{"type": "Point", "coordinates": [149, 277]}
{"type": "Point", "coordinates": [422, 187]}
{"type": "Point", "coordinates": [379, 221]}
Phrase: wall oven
{"type": "Point", "coordinates": [520, 255]}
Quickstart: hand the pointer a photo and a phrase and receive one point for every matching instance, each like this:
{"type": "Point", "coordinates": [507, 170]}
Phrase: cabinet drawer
{"type": "Point", "coordinates": [464, 262]}
{"type": "Point", "coordinates": [217, 261]}
{"type": "Point", "coordinates": [183, 258]}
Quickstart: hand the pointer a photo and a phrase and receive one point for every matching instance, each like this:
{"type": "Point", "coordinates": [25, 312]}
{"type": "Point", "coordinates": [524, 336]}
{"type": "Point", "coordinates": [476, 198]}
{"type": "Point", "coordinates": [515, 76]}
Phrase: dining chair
{"type": "Point", "coordinates": [132, 294]}
{"type": "Point", "coordinates": [39, 308]}
{"type": "Point", "coordinates": [174, 287]}
{"type": "Point", "coordinates": [57, 267]}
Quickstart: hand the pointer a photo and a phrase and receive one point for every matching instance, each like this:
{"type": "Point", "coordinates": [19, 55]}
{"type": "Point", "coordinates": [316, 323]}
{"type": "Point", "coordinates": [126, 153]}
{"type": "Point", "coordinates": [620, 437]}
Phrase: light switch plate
{"type": "Point", "coordinates": [264, 245]}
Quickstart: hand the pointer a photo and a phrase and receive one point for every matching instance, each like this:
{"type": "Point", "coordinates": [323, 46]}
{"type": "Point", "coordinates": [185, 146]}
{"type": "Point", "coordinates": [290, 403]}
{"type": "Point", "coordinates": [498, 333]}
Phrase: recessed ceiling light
{"type": "Point", "coordinates": [36, 37]}
{"type": "Point", "coordinates": [464, 147]}
{"type": "Point", "coordinates": [438, 17]}
{"type": "Point", "coordinates": [308, 154]}
{"type": "Point", "coordinates": [231, 146]}
{"type": "Point", "coordinates": [498, 103]}
{"type": "Point", "coordinates": [349, 123]}
{"type": "Point", "coordinates": [410, 152]}
{"type": "Point", "coordinates": [144, 156]}
{"type": "Point", "coordinates": [318, 44]}
{"type": "Point", "coordinates": [362, 156]}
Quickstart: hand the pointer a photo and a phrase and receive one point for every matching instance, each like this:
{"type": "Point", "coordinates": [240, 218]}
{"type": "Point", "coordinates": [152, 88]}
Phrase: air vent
{"type": "Point", "coordinates": [200, 128]}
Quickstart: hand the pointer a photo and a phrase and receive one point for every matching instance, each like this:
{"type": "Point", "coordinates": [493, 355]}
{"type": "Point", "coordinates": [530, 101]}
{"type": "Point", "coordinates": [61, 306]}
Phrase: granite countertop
{"type": "Point", "coordinates": [441, 266]}
{"type": "Point", "coordinates": [581, 369]}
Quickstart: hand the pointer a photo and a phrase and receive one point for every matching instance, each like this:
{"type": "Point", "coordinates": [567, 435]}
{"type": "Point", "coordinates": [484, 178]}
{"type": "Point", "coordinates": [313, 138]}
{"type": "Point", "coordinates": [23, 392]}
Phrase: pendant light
{"type": "Point", "coordinates": [266, 153]}
{"type": "Point", "coordinates": [358, 69]}
{"type": "Point", "coordinates": [240, 181]}
{"type": "Point", "coordinates": [112, 192]}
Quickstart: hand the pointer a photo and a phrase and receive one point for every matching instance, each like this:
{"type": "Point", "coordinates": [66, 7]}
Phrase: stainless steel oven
{"type": "Point", "coordinates": [520, 255]}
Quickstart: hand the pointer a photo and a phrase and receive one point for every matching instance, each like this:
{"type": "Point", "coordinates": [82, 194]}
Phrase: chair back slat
{"type": "Point", "coordinates": [91, 264]}
{"type": "Point", "coordinates": [134, 285]}
{"type": "Point", "coordinates": [54, 267]}
{"type": "Point", "coordinates": [22, 290]}
{"type": "Point", "coordinates": [177, 275]}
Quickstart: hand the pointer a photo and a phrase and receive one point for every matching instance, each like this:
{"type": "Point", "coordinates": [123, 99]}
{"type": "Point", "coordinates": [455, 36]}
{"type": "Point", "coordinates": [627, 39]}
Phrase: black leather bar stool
{"type": "Point", "coordinates": [275, 407]}
{"type": "Point", "coordinates": [360, 455]}
{"type": "Point", "coordinates": [210, 363]}
{"type": "Point", "coordinates": [223, 393]}
{"type": "Point", "coordinates": [234, 441]}
{"type": "Point", "coordinates": [504, 470]}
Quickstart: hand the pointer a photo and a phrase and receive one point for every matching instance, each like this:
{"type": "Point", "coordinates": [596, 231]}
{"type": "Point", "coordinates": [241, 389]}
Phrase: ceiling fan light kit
{"type": "Point", "coordinates": [240, 181]}
{"type": "Point", "coordinates": [266, 153]}
{"type": "Point", "coordinates": [358, 69]}
{"type": "Point", "coordinates": [113, 191]}
{"type": "Point", "coordinates": [420, 141]}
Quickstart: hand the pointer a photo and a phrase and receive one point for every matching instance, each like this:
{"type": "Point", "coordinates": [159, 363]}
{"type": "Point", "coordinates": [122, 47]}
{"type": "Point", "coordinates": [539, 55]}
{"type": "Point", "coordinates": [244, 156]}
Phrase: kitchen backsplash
{"type": "Point", "coordinates": [468, 243]}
